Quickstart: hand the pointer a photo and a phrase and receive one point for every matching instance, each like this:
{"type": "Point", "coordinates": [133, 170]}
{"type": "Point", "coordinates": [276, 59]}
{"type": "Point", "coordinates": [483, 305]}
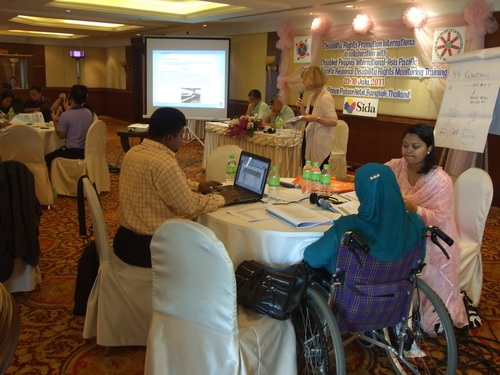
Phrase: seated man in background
{"type": "Point", "coordinates": [154, 188]}
{"type": "Point", "coordinates": [72, 126]}
{"type": "Point", "coordinates": [279, 110]}
{"type": "Point", "coordinates": [256, 107]}
{"type": "Point", "coordinates": [38, 103]}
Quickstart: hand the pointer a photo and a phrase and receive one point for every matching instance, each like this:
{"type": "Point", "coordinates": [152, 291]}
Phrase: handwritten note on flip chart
{"type": "Point", "coordinates": [469, 100]}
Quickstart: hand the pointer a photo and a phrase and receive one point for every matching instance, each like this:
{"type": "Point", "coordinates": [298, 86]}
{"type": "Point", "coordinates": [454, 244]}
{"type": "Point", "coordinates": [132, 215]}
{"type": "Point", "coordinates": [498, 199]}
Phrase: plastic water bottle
{"type": "Point", "coordinates": [278, 125]}
{"type": "Point", "coordinates": [273, 191]}
{"type": "Point", "coordinates": [231, 166]}
{"type": "Point", "coordinates": [305, 183]}
{"type": "Point", "coordinates": [11, 113]}
{"type": "Point", "coordinates": [315, 177]}
{"type": "Point", "coordinates": [325, 180]}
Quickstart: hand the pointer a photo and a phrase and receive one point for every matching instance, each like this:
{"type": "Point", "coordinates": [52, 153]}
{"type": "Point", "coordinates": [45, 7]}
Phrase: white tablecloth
{"type": "Point", "coordinates": [283, 149]}
{"type": "Point", "coordinates": [49, 137]}
{"type": "Point", "coordinates": [270, 241]}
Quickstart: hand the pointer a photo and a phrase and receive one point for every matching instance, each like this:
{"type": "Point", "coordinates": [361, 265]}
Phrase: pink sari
{"type": "Point", "coordinates": [433, 193]}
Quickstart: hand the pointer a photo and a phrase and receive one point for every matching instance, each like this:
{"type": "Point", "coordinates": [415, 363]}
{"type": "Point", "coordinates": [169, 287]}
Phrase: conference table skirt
{"type": "Point", "coordinates": [50, 140]}
{"type": "Point", "coordinates": [283, 150]}
{"type": "Point", "coordinates": [270, 241]}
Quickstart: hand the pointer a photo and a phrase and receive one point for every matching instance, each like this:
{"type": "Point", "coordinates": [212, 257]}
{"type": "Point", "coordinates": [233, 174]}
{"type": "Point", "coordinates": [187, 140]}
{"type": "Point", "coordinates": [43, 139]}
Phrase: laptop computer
{"type": "Point", "coordinates": [251, 177]}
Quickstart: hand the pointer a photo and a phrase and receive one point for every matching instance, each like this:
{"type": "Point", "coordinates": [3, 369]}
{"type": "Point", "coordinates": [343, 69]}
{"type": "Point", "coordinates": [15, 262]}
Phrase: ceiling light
{"type": "Point", "coordinates": [154, 8]}
{"type": "Point", "coordinates": [44, 34]}
{"type": "Point", "coordinates": [349, 6]}
{"type": "Point", "coordinates": [77, 24]}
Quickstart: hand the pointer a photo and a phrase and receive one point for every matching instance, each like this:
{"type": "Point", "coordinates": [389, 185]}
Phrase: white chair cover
{"type": "Point", "coordinates": [65, 173]}
{"type": "Point", "coordinates": [216, 162]}
{"type": "Point", "coordinates": [197, 327]}
{"type": "Point", "coordinates": [473, 196]}
{"type": "Point", "coordinates": [338, 160]}
{"type": "Point", "coordinates": [119, 305]}
{"type": "Point", "coordinates": [23, 143]}
{"type": "Point", "coordinates": [24, 277]}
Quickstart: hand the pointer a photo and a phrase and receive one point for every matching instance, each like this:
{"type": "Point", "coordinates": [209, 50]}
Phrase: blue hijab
{"type": "Point", "coordinates": [382, 221]}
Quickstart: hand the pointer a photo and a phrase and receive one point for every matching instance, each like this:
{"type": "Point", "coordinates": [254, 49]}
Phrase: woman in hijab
{"type": "Point", "coordinates": [382, 221]}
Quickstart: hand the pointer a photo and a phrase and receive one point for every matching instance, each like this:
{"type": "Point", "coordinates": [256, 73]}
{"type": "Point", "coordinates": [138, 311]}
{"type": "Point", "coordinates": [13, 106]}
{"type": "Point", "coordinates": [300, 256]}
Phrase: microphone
{"type": "Point", "coordinates": [314, 198]}
{"type": "Point", "coordinates": [301, 94]}
{"type": "Point", "coordinates": [326, 206]}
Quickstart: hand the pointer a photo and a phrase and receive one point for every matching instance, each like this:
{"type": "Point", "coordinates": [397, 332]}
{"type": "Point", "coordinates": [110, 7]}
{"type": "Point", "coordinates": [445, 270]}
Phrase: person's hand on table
{"type": "Point", "coordinates": [230, 195]}
{"type": "Point", "coordinates": [208, 186]}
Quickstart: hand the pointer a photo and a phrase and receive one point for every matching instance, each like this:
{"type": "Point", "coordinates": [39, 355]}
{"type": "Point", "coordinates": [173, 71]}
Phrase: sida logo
{"type": "Point", "coordinates": [360, 107]}
{"type": "Point", "coordinates": [349, 105]}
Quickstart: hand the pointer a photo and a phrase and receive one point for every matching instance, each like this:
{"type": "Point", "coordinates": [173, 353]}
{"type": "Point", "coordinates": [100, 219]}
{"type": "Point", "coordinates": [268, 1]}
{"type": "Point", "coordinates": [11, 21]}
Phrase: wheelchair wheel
{"type": "Point", "coordinates": [420, 350]}
{"type": "Point", "coordinates": [320, 350]}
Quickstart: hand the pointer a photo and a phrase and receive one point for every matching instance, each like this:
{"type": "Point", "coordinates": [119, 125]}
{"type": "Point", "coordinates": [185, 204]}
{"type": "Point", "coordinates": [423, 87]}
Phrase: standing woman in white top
{"type": "Point", "coordinates": [321, 117]}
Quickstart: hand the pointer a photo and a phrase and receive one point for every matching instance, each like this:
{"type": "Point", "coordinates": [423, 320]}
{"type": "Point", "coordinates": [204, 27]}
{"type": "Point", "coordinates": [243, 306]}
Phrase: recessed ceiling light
{"type": "Point", "coordinates": [349, 6]}
{"type": "Point", "coordinates": [77, 24]}
{"type": "Point", "coordinates": [41, 34]}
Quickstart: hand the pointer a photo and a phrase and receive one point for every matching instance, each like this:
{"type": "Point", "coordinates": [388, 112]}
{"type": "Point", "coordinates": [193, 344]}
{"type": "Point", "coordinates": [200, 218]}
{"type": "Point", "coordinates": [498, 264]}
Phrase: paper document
{"type": "Point", "coordinates": [256, 214]}
{"type": "Point", "coordinates": [298, 215]}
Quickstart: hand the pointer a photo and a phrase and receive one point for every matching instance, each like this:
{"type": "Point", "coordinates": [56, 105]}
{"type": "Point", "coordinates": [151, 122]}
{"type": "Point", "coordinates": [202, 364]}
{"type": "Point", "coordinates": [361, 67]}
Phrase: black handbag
{"type": "Point", "coordinates": [271, 291]}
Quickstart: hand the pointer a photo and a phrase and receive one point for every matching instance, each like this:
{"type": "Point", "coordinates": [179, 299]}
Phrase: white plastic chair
{"type": "Point", "coordinates": [197, 327]}
{"type": "Point", "coordinates": [216, 162]}
{"type": "Point", "coordinates": [473, 196]}
{"type": "Point", "coordinates": [338, 156]}
{"type": "Point", "coordinates": [119, 305]}
{"type": "Point", "coordinates": [23, 143]}
{"type": "Point", "coordinates": [64, 173]}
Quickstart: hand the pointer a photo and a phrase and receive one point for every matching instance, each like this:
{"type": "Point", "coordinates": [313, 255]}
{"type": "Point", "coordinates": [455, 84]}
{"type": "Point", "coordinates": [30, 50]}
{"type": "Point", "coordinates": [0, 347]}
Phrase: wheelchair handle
{"type": "Point", "coordinates": [435, 233]}
{"type": "Point", "coordinates": [353, 237]}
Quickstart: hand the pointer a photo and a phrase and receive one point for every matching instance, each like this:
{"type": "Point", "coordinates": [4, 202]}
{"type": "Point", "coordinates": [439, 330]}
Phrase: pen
{"type": "Point", "coordinates": [289, 185]}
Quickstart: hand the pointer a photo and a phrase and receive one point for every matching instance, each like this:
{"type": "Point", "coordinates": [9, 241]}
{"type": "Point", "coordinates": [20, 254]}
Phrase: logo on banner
{"type": "Point", "coordinates": [302, 50]}
{"type": "Point", "coordinates": [448, 42]}
{"type": "Point", "coordinates": [360, 107]}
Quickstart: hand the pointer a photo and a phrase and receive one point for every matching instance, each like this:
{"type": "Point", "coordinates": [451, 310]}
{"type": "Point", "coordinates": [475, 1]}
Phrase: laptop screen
{"type": "Point", "coordinates": [252, 172]}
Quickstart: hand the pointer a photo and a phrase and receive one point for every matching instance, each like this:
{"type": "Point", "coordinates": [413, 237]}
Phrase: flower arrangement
{"type": "Point", "coordinates": [243, 126]}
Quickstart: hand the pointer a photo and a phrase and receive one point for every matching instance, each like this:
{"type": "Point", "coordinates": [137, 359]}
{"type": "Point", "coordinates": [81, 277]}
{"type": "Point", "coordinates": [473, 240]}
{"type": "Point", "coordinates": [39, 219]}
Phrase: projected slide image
{"type": "Point", "coordinates": [190, 74]}
{"type": "Point", "coordinates": [190, 95]}
{"type": "Point", "coordinates": [183, 78]}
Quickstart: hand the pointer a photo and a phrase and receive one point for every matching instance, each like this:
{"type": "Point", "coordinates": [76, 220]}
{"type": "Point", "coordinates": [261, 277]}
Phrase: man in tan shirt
{"type": "Point", "coordinates": [153, 188]}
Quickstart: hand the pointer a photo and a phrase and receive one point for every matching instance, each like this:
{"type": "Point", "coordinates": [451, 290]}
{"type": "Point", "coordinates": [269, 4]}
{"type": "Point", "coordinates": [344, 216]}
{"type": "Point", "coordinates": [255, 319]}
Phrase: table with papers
{"type": "Point", "coordinates": [282, 149]}
{"type": "Point", "coordinates": [249, 232]}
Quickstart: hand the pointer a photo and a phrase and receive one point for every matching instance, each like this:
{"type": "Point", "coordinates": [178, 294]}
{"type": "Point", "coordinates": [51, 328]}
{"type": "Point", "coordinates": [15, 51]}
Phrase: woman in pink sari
{"type": "Point", "coordinates": [428, 190]}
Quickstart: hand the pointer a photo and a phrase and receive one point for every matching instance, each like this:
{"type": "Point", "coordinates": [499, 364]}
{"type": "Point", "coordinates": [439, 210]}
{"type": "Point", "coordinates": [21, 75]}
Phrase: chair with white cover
{"type": "Point", "coordinates": [473, 196]}
{"type": "Point", "coordinates": [20, 214]}
{"type": "Point", "coordinates": [338, 156]}
{"type": "Point", "coordinates": [24, 144]}
{"type": "Point", "coordinates": [119, 305]}
{"type": "Point", "coordinates": [64, 173]}
{"type": "Point", "coordinates": [216, 162]}
{"type": "Point", "coordinates": [197, 326]}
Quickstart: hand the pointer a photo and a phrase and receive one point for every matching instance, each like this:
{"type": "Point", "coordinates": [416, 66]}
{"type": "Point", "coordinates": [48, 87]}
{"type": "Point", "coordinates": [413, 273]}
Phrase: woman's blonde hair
{"type": "Point", "coordinates": [313, 76]}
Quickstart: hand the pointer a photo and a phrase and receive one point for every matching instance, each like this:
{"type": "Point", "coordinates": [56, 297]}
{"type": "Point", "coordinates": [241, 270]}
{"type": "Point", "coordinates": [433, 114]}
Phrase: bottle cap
{"type": "Point", "coordinates": [274, 168]}
{"type": "Point", "coordinates": [326, 166]}
{"type": "Point", "coordinates": [231, 156]}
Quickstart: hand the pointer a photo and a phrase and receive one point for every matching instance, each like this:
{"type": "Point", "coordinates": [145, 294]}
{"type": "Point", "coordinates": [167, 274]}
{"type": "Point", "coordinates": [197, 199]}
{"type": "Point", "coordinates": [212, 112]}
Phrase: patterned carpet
{"type": "Point", "coordinates": [51, 337]}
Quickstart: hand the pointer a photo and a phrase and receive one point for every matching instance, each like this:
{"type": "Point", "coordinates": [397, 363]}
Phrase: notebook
{"type": "Point", "coordinates": [298, 215]}
{"type": "Point", "coordinates": [251, 177]}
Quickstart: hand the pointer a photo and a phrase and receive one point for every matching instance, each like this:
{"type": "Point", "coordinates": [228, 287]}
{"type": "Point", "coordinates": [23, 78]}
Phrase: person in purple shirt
{"type": "Point", "coordinates": [72, 126]}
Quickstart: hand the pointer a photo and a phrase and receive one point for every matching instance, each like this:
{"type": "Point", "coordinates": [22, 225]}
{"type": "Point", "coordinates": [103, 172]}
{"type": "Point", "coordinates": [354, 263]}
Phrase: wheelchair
{"type": "Point", "coordinates": [377, 304]}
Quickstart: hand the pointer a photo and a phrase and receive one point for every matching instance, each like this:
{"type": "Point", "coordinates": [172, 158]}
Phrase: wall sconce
{"type": "Point", "coordinates": [270, 67]}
